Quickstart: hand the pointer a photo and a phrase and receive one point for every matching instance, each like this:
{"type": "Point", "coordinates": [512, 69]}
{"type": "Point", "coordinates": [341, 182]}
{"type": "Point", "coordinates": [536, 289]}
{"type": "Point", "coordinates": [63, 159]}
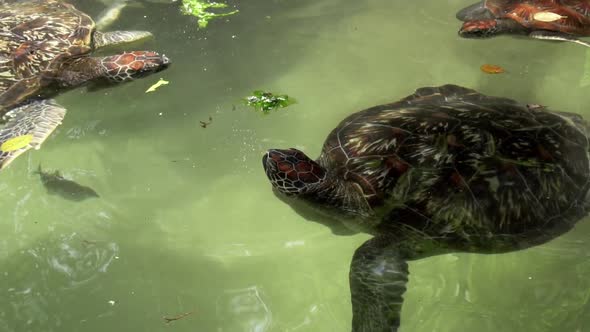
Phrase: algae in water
{"type": "Point", "coordinates": [267, 101]}
{"type": "Point", "coordinates": [201, 10]}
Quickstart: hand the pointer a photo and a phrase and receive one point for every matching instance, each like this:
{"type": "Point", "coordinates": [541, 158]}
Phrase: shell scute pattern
{"type": "Point", "coordinates": [442, 161]}
{"type": "Point", "coordinates": [33, 34]}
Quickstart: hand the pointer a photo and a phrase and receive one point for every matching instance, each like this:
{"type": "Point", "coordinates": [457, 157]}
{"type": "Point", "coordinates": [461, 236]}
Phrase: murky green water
{"type": "Point", "coordinates": [186, 220]}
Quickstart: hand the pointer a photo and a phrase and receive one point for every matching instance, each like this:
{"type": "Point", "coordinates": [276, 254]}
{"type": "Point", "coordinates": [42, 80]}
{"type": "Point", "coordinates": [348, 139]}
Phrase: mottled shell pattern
{"type": "Point", "coordinates": [470, 163]}
{"type": "Point", "coordinates": [36, 35]}
{"type": "Point", "coordinates": [575, 14]}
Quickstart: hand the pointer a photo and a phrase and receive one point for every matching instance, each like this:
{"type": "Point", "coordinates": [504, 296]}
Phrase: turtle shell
{"type": "Point", "coordinates": [576, 14]}
{"type": "Point", "coordinates": [36, 35]}
{"type": "Point", "coordinates": [469, 163]}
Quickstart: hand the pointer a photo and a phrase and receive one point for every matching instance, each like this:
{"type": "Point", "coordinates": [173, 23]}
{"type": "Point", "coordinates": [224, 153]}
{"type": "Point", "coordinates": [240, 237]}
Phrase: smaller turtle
{"type": "Point", "coordinates": [489, 18]}
{"type": "Point", "coordinates": [45, 48]}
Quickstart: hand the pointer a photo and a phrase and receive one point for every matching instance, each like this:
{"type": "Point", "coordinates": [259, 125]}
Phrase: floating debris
{"type": "Point", "coordinates": [267, 101]}
{"type": "Point", "coordinates": [547, 17]}
{"type": "Point", "coordinates": [56, 184]}
{"type": "Point", "coordinates": [157, 85]}
{"type": "Point", "coordinates": [88, 242]}
{"type": "Point", "coordinates": [204, 124]}
{"type": "Point", "coordinates": [199, 9]}
{"type": "Point", "coordinates": [491, 69]}
{"type": "Point", "coordinates": [177, 317]}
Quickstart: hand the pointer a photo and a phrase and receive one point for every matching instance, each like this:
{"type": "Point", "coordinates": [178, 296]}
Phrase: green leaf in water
{"type": "Point", "coordinates": [199, 9]}
{"type": "Point", "coordinates": [267, 101]}
{"type": "Point", "coordinates": [585, 80]}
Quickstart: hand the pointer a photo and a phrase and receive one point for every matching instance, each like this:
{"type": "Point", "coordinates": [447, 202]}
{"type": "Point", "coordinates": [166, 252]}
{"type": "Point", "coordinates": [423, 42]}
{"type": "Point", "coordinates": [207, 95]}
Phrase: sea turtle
{"type": "Point", "coordinates": [443, 170]}
{"type": "Point", "coordinates": [44, 48]}
{"type": "Point", "coordinates": [488, 18]}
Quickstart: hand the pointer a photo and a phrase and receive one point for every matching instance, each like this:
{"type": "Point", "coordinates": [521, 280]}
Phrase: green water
{"type": "Point", "coordinates": [186, 220]}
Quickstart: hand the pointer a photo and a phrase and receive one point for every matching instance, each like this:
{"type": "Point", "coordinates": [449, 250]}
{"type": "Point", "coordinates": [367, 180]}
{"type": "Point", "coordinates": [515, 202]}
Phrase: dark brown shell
{"type": "Point", "coordinates": [463, 159]}
{"type": "Point", "coordinates": [35, 34]}
{"type": "Point", "coordinates": [576, 14]}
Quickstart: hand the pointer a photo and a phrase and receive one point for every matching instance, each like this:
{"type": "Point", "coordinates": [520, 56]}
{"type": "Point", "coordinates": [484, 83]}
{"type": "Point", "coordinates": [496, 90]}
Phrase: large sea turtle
{"type": "Point", "coordinates": [445, 169]}
{"type": "Point", "coordinates": [44, 48]}
{"type": "Point", "coordinates": [562, 20]}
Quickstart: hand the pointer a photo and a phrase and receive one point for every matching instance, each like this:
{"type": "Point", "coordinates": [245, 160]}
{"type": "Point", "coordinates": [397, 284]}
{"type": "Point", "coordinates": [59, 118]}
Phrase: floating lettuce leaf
{"type": "Point", "coordinates": [199, 9]}
{"type": "Point", "coordinates": [16, 143]}
{"type": "Point", "coordinates": [157, 85]}
{"type": "Point", "coordinates": [267, 101]}
{"type": "Point", "coordinates": [585, 80]}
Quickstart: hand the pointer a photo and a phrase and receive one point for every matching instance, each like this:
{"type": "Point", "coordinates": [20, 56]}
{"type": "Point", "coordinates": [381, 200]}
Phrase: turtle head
{"type": "Point", "coordinates": [480, 29]}
{"type": "Point", "coordinates": [491, 28]}
{"type": "Point", "coordinates": [298, 181]}
{"type": "Point", "coordinates": [291, 172]}
{"type": "Point", "coordinates": [131, 65]}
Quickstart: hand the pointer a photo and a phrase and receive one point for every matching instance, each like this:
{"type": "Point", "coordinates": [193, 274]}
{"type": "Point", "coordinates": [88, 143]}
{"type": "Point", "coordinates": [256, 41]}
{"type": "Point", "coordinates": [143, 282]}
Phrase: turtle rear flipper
{"type": "Point", "coordinates": [557, 36]}
{"type": "Point", "coordinates": [118, 38]}
{"type": "Point", "coordinates": [378, 278]}
{"type": "Point", "coordinates": [38, 119]}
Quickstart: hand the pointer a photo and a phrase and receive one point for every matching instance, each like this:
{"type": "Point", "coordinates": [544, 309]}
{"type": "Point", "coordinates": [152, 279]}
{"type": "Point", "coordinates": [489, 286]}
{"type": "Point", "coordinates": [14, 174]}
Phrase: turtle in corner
{"type": "Point", "coordinates": [540, 19]}
{"type": "Point", "coordinates": [45, 48]}
{"type": "Point", "coordinates": [446, 169]}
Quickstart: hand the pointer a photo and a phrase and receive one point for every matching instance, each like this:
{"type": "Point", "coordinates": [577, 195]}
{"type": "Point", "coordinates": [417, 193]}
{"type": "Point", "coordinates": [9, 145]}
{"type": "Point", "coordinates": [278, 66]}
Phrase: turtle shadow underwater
{"type": "Point", "coordinates": [57, 185]}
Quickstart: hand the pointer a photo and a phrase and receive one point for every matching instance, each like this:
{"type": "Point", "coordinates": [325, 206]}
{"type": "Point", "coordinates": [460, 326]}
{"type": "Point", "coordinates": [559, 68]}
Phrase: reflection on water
{"type": "Point", "coordinates": [244, 310]}
{"type": "Point", "coordinates": [78, 260]}
{"type": "Point", "coordinates": [46, 273]}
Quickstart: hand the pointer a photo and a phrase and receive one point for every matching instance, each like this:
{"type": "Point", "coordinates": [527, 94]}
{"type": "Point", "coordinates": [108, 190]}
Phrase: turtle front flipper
{"type": "Point", "coordinates": [28, 126]}
{"type": "Point", "coordinates": [378, 277]}
{"type": "Point", "coordinates": [117, 38]}
{"type": "Point", "coordinates": [111, 14]}
{"type": "Point", "coordinates": [556, 36]}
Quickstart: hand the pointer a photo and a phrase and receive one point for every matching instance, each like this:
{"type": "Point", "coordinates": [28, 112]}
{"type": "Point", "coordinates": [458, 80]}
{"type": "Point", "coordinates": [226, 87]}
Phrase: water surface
{"type": "Point", "coordinates": [186, 220]}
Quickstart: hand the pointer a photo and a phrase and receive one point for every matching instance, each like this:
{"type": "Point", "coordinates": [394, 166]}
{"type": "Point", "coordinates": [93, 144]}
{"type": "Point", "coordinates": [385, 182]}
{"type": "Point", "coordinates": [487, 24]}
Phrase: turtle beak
{"type": "Point", "coordinates": [165, 61]}
{"type": "Point", "coordinates": [268, 162]}
{"type": "Point", "coordinates": [158, 61]}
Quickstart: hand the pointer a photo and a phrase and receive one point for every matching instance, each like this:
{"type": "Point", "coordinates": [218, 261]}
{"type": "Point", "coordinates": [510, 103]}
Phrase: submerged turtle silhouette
{"type": "Point", "coordinates": [446, 169]}
{"type": "Point", "coordinates": [44, 48]}
{"type": "Point", "coordinates": [56, 184]}
{"type": "Point", "coordinates": [489, 18]}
